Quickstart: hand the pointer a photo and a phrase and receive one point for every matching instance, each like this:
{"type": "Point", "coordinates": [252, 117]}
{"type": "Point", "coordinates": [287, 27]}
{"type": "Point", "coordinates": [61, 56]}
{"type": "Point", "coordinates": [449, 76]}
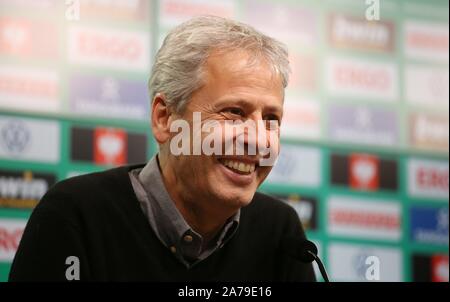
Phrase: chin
{"type": "Point", "coordinates": [236, 198]}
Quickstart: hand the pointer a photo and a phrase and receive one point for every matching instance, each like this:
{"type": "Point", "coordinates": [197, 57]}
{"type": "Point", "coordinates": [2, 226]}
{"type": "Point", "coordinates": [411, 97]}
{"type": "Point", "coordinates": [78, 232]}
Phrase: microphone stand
{"type": "Point", "coordinates": [320, 264]}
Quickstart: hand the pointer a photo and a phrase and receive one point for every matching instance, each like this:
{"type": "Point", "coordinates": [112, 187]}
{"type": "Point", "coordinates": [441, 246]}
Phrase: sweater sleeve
{"type": "Point", "coordinates": [46, 245]}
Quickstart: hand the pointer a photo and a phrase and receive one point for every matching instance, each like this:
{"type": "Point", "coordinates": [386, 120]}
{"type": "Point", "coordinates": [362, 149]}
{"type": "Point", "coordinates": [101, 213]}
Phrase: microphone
{"type": "Point", "coordinates": [303, 250]}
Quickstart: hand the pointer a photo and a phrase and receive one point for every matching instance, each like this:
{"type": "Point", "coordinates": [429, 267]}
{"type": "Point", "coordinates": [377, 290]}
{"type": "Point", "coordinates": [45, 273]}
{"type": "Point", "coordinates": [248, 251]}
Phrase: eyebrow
{"type": "Point", "coordinates": [245, 103]}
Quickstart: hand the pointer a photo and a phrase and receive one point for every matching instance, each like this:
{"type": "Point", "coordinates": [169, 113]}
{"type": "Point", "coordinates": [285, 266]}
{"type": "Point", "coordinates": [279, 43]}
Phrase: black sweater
{"type": "Point", "coordinates": [97, 218]}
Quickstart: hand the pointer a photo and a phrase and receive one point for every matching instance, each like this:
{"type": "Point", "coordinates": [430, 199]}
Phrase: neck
{"type": "Point", "coordinates": [204, 217]}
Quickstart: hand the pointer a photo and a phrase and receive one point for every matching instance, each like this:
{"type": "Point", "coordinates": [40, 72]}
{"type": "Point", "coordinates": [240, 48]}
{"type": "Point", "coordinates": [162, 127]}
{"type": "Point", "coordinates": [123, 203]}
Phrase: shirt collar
{"type": "Point", "coordinates": [170, 224]}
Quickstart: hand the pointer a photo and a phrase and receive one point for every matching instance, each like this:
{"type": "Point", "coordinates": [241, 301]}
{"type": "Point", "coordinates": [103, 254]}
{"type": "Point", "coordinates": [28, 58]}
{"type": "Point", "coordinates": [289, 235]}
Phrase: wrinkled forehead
{"type": "Point", "coordinates": [239, 65]}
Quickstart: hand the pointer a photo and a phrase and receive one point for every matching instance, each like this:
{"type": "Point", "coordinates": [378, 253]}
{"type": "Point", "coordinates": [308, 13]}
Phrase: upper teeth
{"type": "Point", "coordinates": [240, 166]}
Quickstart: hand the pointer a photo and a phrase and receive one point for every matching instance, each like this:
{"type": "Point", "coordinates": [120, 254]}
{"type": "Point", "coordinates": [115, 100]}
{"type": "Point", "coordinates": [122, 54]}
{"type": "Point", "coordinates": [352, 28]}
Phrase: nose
{"type": "Point", "coordinates": [255, 135]}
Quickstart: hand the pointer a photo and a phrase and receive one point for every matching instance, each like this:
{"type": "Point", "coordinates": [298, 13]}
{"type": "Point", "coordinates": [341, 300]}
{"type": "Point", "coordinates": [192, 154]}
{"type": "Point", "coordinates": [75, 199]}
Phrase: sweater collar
{"type": "Point", "coordinates": [168, 223]}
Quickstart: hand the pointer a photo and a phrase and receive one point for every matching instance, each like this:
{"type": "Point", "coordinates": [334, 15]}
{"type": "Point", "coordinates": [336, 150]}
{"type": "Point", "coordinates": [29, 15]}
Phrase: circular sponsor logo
{"type": "Point", "coordinates": [14, 137]}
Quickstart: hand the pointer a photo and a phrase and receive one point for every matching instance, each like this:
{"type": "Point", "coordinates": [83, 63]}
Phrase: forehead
{"type": "Point", "coordinates": [240, 65]}
{"type": "Point", "coordinates": [237, 75]}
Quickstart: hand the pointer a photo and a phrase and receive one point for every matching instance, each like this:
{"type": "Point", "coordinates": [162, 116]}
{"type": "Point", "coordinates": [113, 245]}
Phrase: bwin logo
{"type": "Point", "coordinates": [15, 136]}
{"type": "Point", "coordinates": [367, 267]}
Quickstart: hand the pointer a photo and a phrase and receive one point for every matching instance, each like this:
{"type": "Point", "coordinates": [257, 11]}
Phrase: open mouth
{"type": "Point", "coordinates": [239, 167]}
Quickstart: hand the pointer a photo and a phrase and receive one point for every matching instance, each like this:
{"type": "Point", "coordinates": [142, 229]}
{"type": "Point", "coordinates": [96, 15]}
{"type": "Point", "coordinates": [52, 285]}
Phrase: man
{"type": "Point", "coordinates": [185, 215]}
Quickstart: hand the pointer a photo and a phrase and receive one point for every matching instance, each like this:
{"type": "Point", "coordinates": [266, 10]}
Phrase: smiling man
{"type": "Point", "coordinates": [191, 215]}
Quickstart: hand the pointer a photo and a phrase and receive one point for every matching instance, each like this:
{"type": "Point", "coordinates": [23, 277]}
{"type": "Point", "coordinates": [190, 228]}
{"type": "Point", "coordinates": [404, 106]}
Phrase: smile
{"type": "Point", "coordinates": [239, 167]}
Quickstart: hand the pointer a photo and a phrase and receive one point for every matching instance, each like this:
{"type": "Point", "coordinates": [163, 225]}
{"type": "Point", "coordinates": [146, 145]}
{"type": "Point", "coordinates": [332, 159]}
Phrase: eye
{"type": "Point", "coordinates": [235, 111]}
{"type": "Point", "coordinates": [272, 117]}
{"type": "Point", "coordinates": [272, 121]}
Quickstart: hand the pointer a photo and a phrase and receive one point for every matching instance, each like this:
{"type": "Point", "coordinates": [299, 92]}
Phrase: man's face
{"type": "Point", "coordinates": [233, 91]}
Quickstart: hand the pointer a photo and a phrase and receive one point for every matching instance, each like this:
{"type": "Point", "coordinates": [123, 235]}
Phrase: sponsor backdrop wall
{"type": "Point", "coordinates": [365, 135]}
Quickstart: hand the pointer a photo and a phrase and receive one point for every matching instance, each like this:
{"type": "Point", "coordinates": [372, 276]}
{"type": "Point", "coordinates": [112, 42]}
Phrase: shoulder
{"type": "Point", "coordinates": [88, 190]}
{"type": "Point", "coordinates": [269, 208]}
{"type": "Point", "coordinates": [266, 221]}
{"type": "Point", "coordinates": [87, 184]}
{"type": "Point", "coordinates": [264, 202]}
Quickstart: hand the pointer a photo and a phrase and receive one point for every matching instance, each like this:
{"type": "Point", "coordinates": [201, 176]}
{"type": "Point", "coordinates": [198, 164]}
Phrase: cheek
{"type": "Point", "coordinates": [228, 134]}
{"type": "Point", "coordinates": [274, 142]}
{"type": "Point", "coordinates": [271, 149]}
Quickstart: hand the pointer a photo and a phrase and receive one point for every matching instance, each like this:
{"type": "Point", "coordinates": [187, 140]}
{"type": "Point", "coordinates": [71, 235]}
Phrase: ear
{"type": "Point", "coordinates": [161, 118]}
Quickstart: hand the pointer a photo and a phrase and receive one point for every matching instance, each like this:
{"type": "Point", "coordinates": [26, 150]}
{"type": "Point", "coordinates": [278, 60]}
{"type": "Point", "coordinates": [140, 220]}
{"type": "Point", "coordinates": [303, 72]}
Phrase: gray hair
{"type": "Point", "coordinates": [178, 68]}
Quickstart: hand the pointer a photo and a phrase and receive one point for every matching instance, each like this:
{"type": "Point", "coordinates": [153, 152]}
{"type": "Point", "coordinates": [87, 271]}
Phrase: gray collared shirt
{"type": "Point", "coordinates": [168, 223]}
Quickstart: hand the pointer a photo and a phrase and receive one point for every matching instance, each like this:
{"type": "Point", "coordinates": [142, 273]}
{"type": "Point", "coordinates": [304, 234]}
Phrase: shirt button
{"type": "Point", "coordinates": [188, 238]}
{"type": "Point", "coordinates": [173, 249]}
